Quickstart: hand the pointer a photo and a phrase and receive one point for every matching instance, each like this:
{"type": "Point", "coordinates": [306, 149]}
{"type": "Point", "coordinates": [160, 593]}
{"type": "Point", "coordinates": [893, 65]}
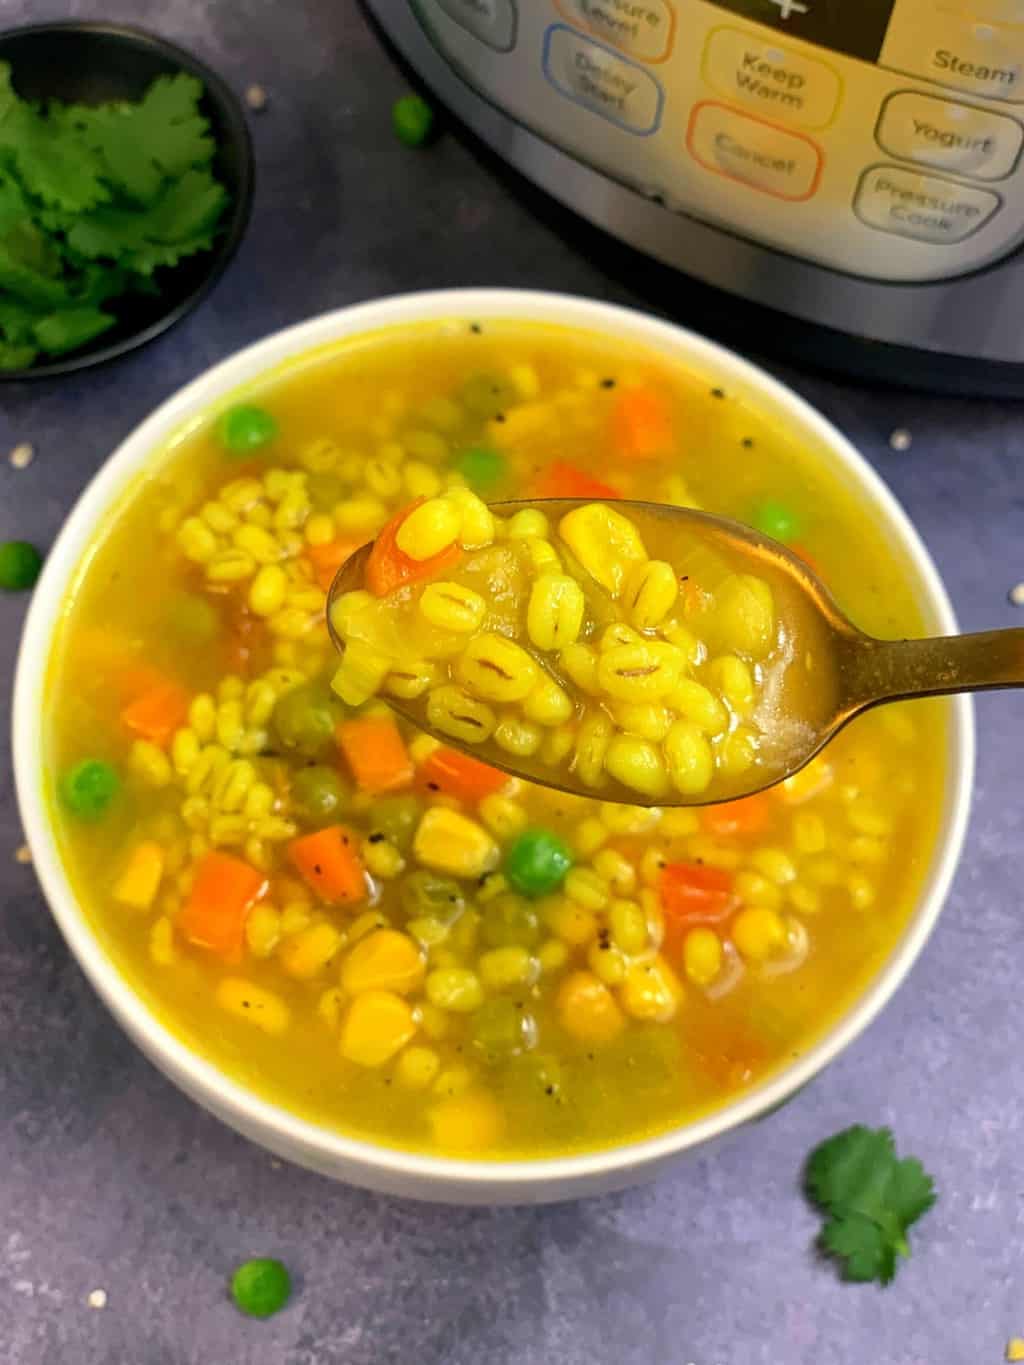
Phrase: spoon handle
{"type": "Point", "coordinates": [886, 670]}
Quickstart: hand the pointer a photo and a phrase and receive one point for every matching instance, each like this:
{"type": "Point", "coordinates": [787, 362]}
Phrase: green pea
{"type": "Point", "coordinates": [396, 817]}
{"type": "Point", "coordinates": [502, 1028]}
{"type": "Point", "coordinates": [261, 1287]}
{"type": "Point", "coordinates": [481, 467]}
{"type": "Point", "coordinates": [89, 788]}
{"type": "Point", "coordinates": [509, 921]}
{"type": "Point", "coordinates": [246, 428]}
{"type": "Point", "coordinates": [487, 395]}
{"type": "Point", "coordinates": [325, 491]}
{"type": "Point", "coordinates": [319, 795]}
{"type": "Point", "coordinates": [413, 120]}
{"type": "Point", "coordinates": [438, 898]}
{"type": "Point", "coordinates": [775, 519]}
{"type": "Point", "coordinates": [20, 565]}
{"type": "Point", "coordinates": [193, 618]}
{"type": "Point", "coordinates": [304, 719]}
{"type": "Point", "coordinates": [537, 862]}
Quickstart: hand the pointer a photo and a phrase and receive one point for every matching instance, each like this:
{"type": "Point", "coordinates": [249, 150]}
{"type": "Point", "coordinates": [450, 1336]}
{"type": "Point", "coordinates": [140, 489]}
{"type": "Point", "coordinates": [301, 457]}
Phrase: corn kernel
{"type": "Point", "coordinates": [734, 682]}
{"type": "Point", "coordinates": [679, 823]}
{"type": "Point", "coordinates": [267, 590]}
{"type": "Point", "coordinates": [361, 673]}
{"type": "Point", "coordinates": [360, 516]}
{"type": "Point", "coordinates": [420, 480]}
{"type": "Point", "coordinates": [450, 842]}
{"type": "Point", "coordinates": [585, 887]}
{"type": "Point", "coordinates": [383, 960]}
{"type": "Point", "coordinates": [774, 864]}
{"type": "Point", "coordinates": [261, 1008]}
{"type": "Point", "coordinates": [150, 763]}
{"type": "Point", "coordinates": [604, 541]}
{"type": "Point", "coordinates": [140, 880]}
{"type": "Point", "coordinates": [644, 719]}
{"type": "Point", "coordinates": [429, 529]}
{"type": "Point", "coordinates": [579, 663]}
{"type": "Point", "coordinates": [376, 1026]}
{"type": "Point", "coordinates": [527, 523]}
{"type": "Point", "coordinates": [637, 764]}
{"type": "Point", "coordinates": [861, 891]}
{"type": "Point", "coordinates": [754, 889]}
{"type": "Point", "coordinates": [548, 704]}
{"type": "Point", "coordinates": [454, 712]}
{"type": "Point", "coordinates": [504, 818]}
{"type": "Point", "coordinates": [592, 740]}
{"type": "Point", "coordinates": [639, 673]}
{"type": "Point", "coordinates": [161, 942]}
{"type": "Point", "coordinates": [590, 835]}
{"type": "Point", "coordinates": [587, 1009]}
{"type": "Point", "coordinates": [477, 521]}
{"type": "Point", "coordinates": [518, 737]}
{"type": "Point", "coordinates": [809, 834]}
{"type": "Point", "coordinates": [469, 1122]}
{"type": "Point", "coordinates": [554, 613]}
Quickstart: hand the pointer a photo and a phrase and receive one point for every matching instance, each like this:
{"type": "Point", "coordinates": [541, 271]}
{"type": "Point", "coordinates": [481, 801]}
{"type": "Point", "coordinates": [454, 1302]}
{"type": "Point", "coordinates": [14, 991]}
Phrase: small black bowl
{"type": "Point", "coordinates": [94, 63]}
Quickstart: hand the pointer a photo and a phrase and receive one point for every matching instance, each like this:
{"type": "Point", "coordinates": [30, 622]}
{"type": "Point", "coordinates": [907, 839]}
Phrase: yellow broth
{"type": "Point", "coordinates": [619, 1014]}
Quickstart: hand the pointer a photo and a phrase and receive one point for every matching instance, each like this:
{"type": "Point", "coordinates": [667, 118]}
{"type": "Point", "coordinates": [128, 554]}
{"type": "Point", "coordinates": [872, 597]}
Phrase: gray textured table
{"type": "Point", "coordinates": [111, 1179]}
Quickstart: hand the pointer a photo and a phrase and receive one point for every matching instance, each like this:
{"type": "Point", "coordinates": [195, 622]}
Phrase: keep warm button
{"type": "Point", "coordinates": [759, 154]}
{"type": "Point", "coordinates": [924, 207]}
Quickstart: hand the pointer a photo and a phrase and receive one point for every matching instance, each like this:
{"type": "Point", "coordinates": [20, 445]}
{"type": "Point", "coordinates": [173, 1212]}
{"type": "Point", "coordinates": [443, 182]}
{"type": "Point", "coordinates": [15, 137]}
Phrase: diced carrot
{"type": "Point", "coordinates": [376, 753]}
{"type": "Point", "coordinates": [329, 862]}
{"type": "Point", "coordinates": [454, 774]}
{"type": "Point", "coordinates": [641, 424]}
{"type": "Point", "coordinates": [328, 559]}
{"type": "Point", "coordinates": [749, 815]}
{"type": "Point", "coordinates": [157, 713]}
{"type": "Point", "coordinates": [132, 680]}
{"type": "Point", "coordinates": [388, 567]}
{"type": "Point", "coordinates": [223, 892]}
{"type": "Point", "coordinates": [693, 893]}
{"type": "Point", "coordinates": [562, 480]}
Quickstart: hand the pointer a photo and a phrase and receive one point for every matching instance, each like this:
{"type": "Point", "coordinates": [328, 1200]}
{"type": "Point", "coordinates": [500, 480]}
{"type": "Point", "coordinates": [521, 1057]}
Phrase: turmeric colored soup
{"type": "Point", "coordinates": [393, 940]}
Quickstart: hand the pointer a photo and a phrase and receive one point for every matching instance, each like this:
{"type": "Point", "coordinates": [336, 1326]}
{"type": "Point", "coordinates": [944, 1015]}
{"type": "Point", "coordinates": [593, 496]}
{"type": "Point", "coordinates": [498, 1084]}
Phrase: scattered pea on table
{"type": "Point", "coordinates": [20, 565]}
{"type": "Point", "coordinates": [413, 120]}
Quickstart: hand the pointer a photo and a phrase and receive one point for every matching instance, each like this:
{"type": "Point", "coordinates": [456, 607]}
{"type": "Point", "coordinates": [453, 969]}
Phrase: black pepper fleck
{"type": "Point", "coordinates": [318, 869]}
{"type": "Point", "coordinates": [434, 786]}
{"type": "Point", "coordinates": [717, 393]}
{"type": "Point", "coordinates": [375, 838]}
{"type": "Point", "coordinates": [475, 328]}
{"type": "Point", "coordinates": [607, 383]}
{"type": "Point", "coordinates": [747, 442]}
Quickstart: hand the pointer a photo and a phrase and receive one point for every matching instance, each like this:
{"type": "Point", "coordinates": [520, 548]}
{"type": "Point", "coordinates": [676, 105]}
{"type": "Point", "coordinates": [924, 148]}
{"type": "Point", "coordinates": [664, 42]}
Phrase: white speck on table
{"type": "Point", "coordinates": [1016, 595]}
{"type": "Point", "coordinates": [21, 456]}
{"type": "Point", "coordinates": [901, 439]}
{"type": "Point", "coordinates": [23, 854]}
{"type": "Point", "coordinates": [98, 1298]}
{"type": "Point", "coordinates": [256, 98]}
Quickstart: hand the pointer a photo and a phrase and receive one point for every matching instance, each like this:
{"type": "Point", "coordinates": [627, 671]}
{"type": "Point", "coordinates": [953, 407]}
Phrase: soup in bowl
{"type": "Point", "coordinates": [382, 957]}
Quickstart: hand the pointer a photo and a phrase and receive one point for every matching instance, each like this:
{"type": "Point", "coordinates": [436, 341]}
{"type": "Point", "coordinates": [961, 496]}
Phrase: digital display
{"type": "Point", "coordinates": [857, 28]}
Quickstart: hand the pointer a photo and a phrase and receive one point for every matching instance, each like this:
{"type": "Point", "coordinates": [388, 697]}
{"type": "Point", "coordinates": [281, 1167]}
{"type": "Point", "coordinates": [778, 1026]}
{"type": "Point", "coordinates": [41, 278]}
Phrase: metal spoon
{"type": "Point", "coordinates": [826, 671]}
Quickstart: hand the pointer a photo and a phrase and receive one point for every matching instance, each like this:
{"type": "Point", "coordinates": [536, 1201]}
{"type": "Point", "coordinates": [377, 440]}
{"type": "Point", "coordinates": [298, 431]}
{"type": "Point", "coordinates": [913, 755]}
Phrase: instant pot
{"type": "Point", "coordinates": [854, 165]}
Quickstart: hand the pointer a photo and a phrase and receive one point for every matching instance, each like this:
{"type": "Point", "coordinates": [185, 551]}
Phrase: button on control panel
{"type": "Point", "coordinates": [602, 80]}
{"type": "Point", "coordinates": [923, 207]}
{"type": "Point", "coordinates": [958, 51]}
{"type": "Point", "coordinates": [960, 138]}
{"type": "Point", "coordinates": [753, 152]}
{"type": "Point", "coordinates": [644, 29]}
{"type": "Point", "coordinates": [882, 138]}
{"type": "Point", "coordinates": [492, 21]}
{"type": "Point", "coordinates": [778, 81]}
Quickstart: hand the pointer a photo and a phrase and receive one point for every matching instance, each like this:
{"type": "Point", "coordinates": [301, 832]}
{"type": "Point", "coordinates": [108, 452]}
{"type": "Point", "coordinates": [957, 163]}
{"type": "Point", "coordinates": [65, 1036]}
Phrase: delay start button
{"type": "Point", "coordinates": [924, 207]}
{"type": "Point", "coordinates": [754, 152]}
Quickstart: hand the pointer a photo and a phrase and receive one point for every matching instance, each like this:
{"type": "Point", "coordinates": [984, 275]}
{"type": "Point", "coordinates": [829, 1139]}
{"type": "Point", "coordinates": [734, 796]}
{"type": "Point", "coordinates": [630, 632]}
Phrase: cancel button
{"type": "Point", "coordinates": [924, 207]}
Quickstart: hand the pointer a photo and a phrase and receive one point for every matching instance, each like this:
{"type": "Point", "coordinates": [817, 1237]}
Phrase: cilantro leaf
{"type": "Point", "coordinates": [71, 327]}
{"type": "Point", "coordinates": [871, 1197]}
{"type": "Point", "coordinates": [14, 357]}
{"type": "Point", "coordinates": [159, 235]}
{"type": "Point", "coordinates": [58, 168]}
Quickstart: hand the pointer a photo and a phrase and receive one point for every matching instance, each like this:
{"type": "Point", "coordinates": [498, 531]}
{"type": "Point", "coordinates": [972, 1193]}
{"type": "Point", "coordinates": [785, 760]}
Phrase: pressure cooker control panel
{"type": "Point", "coordinates": [882, 137]}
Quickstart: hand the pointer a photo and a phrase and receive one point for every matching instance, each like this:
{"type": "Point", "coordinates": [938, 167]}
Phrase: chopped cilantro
{"type": "Point", "coordinates": [870, 1199]}
{"type": "Point", "coordinates": [93, 201]}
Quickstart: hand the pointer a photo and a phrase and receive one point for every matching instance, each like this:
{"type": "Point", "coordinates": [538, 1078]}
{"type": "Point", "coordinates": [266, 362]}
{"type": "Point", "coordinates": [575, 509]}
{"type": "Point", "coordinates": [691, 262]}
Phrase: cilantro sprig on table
{"type": "Point", "coordinates": [870, 1198]}
{"type": "Point", "coordinates": [93, 201]}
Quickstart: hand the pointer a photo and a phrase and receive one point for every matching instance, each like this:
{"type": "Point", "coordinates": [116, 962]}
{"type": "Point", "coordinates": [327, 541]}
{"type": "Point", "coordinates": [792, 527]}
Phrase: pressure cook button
{"type": "Point", "coordinates": [924, 207]}
{"type": "Point", "coordinates": [602, 81]}
{"type": "Point", "coordinates": [492, 21]}
{"type": "Point", "coordinates": [758, 154]}
{"type": "Point", "coordinates": [979, 58]}
{"type": "Point", "coordinates": [955, 137]}
{"type": "Point", "coordinates": [644, 29]}
{"type": "Point", "coordinates": [753, 69]}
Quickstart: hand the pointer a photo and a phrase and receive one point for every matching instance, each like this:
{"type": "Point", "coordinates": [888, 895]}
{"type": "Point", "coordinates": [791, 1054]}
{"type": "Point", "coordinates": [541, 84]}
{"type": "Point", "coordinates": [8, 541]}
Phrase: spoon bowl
{"type": "Point", "coordinates": [827, 671]}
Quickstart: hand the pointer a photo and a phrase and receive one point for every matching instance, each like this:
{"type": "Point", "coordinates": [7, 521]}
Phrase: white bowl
{"type": "Point", "coordinates": [332, 1153]}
